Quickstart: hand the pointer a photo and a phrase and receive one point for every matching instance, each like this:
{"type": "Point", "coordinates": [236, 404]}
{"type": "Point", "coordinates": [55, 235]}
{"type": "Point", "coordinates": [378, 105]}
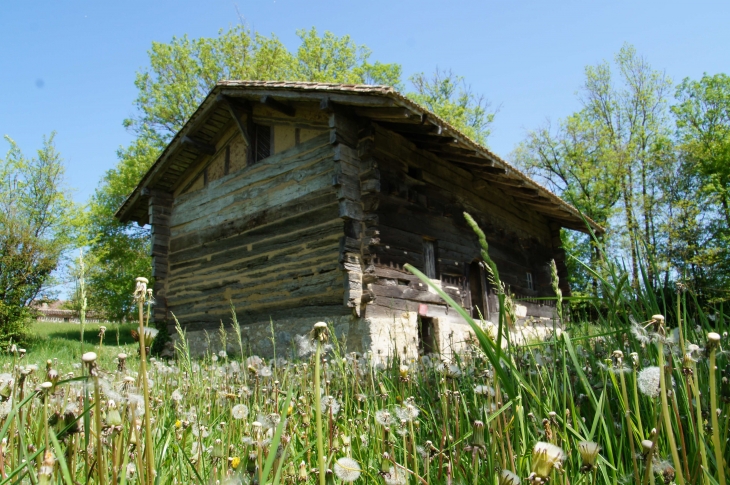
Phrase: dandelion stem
{"type": "Point", "coordinates": [667, 416]}
{"type": "Point", "coordinates": [629, 426]}
{"type": "Point", "coordinates": [318, 413]}
{"type": "Point", "coordinates": [700, 428]}
{"type": "Point", "coordinates": [713, 414]}
{"type": "Point", "coordinates": [145, 389]}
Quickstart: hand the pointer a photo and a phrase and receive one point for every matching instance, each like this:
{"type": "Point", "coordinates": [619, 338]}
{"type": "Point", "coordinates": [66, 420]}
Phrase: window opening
{"type": "Point", "coordinates": [261, 142]}
{"type": "Point", "coordinates": [427, 336]}
{"type": "Point", "coordinates": [415, 173]}
{"type": "Point", "coordinates": [530, 283]}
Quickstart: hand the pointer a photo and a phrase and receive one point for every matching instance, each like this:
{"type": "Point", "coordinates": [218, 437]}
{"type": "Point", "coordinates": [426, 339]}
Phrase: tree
{"type": "Point", "coordinates": [702, 228]}
{"type": "Point", "coordinates": [37, 223]}
{"type": "Point", "coordinates": [448, 95]}
{"type": "Point", "coordinates": [609, 157]}
{"type": "Point", "coordinates": [118, 253]}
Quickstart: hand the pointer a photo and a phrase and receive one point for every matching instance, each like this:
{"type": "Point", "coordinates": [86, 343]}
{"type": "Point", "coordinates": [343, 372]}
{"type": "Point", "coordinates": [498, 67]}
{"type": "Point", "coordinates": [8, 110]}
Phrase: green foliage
{"type": "Point", "coordinates": [184, 71]}
{"type": "Point", "coordinates": [700, 228]}
{"type": "Point", "coordinates": [448, 95]}
{"type": "Point", "coordinates": [613, 158]}
{"type": "Point", "coordinates": [37, 223]}
{"type": "Point", "coordinates": [118, 253]}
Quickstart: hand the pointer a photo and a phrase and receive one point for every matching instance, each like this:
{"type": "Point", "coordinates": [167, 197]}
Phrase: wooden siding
{"type": "Point", "coordinates": [421, 197]}
{"type": "Point", "coordinates": [266, 238]}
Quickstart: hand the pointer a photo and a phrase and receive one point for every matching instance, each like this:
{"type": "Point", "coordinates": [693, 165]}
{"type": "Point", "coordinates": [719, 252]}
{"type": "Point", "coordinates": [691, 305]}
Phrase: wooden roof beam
{"type": "Point", "coordinates": [235, 109]}
{"type": "Point", "coordinates": [406, 128]}
{"type": "Point", "coordinates": [278, 105]}
{"type": "Point", "coordinates": [198, 145]}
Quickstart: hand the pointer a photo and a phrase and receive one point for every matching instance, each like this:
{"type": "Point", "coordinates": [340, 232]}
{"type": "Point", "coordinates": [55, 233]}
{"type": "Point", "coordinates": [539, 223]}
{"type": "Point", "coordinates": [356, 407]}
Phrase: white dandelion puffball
{"type": "Point", "coordinates": [407, 413]}
{"type": "Point", "coordinates": [648, 381]}
{"type": "Point", "coordinates": [347, 469]}
{"type": "Point", "coordinates": [395, 477]}
{"type": "Point", "coordinates": [328, 404]}
{"type": "Point", "coordinates": [384, 418]}
{"type": "Point", "coordinates": [239, 411]}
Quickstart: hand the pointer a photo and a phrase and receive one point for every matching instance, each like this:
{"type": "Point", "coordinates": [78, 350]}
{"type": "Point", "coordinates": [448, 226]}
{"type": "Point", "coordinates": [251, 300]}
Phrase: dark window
{"type": "Point", "coordinates": [261, 142]}
{"type": "Point", "coordinates": [530, 283]}
{"type": "Point", "coordinates": [429, 258]}
{"type": "Point", "coordinates": [415, 173]}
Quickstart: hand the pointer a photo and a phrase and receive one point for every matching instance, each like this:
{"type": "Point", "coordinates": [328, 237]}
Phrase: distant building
{"type": "Point", "coordinates": [55, 312]}
{"type": "Point", "coordinates": [300, 202]}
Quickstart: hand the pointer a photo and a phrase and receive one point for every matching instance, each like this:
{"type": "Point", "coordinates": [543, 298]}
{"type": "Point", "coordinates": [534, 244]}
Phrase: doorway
{"type": "Point", "coordinates": [478, 291]}
{"type": "Point", "coordinates": [427, 336]}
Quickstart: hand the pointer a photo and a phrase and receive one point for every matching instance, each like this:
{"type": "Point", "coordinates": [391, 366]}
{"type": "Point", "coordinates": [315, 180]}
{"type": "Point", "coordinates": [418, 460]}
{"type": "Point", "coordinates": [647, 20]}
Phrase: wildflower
{"type": "Point", "coordinates": [303, 475]}
{"type": "Point", "coordinates": [478, 435]}
{"type": "Point", "coordinates": [176, 395]}
{"type": "Point", "coordinates": [384, 418]}
{"type": "Point", "coordinates": [305, 347]}
{"type": "Point", "coordinates": [239, 411]}
{"type": "Point", "coordinates": [265, 371]}
{"type": "Point", "coordinates": [46, 471]}
{"type": "Point", "coordinates": [141, 289]}
{"type": "Point", "coordinates": [546, 457]}
{"type": "Point", "coordinates": [88, 357]}
{"type": "Point", "coordinates": [648, 381]}
{"type": "Point", "coordinates": [347, 469]}
{"type": "Point", "coordinates": [330, 404]}
{"type": "Point", "coordinates": [319, 332]}
{"type": "Point", "coordinates": [5, 408]}
{"type": "Point", "coordinates": [235, 461]}
{"type": "Point", "coordinates": [407, 413]}
{"type": "Point", "coordinates": [483, 390]}
{"type": "Point", "coordinates": [713, 340]}
{"type": "Point", "coordinates": [395, 477]}
{"type": "Point", "coordinates": [588, 454]}
{"type": "Point", "coordinates": [507, 477]}
{"type": "Point", "coordinates": [6, 385]}
{"type": "Point", "coordinates": [113, 418]}
{"type": "Point", "coordinates": [222, 354]}
{"type": "Point", "coordinates": [132, 469]}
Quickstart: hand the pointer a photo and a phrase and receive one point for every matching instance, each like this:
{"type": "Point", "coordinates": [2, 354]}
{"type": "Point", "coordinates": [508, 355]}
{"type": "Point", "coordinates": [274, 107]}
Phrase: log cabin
{"type": "Point", "coordinates": [298, 202]}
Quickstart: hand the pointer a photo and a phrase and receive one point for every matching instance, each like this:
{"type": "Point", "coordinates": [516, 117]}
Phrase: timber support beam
{"type": "Point", "coordinates": [236, 110]}
{"type": "Point", "coordinates": [198, 145]}
{"type": "Point", "coordinates": [278, 105]}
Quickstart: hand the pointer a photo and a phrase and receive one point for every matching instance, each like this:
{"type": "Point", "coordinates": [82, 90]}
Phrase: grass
{"type": "Point", "coordinates": [61, 341]}
{"type": "Point", "coordinates": [644, 401]}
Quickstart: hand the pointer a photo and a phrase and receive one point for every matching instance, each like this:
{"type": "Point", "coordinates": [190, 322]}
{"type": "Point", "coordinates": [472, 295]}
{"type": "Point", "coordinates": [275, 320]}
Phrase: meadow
{"type": "Point", "coordinates": [634, 391]}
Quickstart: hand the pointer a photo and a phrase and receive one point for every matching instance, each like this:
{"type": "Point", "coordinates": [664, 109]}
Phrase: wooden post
{"type": "Point", "coordinates": [160, 209]}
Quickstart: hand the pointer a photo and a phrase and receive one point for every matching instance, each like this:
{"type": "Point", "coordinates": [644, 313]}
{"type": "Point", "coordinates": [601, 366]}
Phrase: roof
{"type": "Point", "coordinates": [383, 105]}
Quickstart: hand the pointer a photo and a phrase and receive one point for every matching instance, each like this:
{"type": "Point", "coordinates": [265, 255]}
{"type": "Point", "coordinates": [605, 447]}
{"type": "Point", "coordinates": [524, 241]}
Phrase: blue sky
{"type": "Point", "coordinates": [69, 66]}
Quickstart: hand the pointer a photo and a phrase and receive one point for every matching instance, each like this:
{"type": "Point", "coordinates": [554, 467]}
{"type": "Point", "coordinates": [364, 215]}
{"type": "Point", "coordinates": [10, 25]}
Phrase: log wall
{"type": "Point", "coordinates": [265, 238]}
{"type": "Point", "coordinates": [418, 197]}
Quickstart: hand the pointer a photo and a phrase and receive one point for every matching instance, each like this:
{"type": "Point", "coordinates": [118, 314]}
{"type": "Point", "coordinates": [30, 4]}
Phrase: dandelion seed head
{"type": "Point", "coordinates": [239, 411]}
{"type": "Point", "coordinates": [395, 477]}
{"type": "Point", "coordinates": [384, 418]}
{"type": "Point", "coordinates": [347, 469]}
{"type": "Point", "coordinates": [648, 381]}
{"type": "Point", "coordinates": [330, 404]}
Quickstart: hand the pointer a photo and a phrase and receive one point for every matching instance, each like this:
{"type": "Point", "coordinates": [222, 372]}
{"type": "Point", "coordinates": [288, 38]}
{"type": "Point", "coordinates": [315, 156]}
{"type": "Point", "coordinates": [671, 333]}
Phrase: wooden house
{"type": "Point", "coordinates": [299, 202]}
